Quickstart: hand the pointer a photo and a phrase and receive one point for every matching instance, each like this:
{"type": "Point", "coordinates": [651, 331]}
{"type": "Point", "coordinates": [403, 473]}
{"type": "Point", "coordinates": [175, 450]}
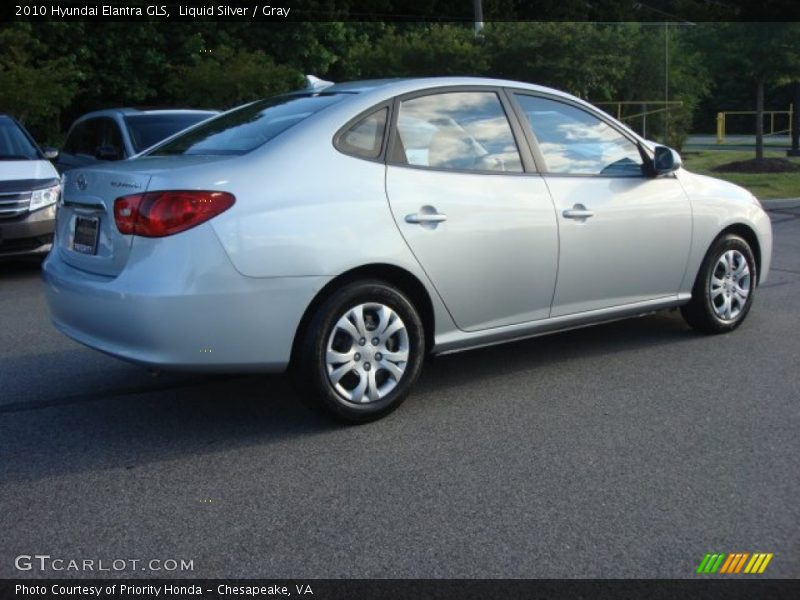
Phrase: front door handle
{"type": "Point", "coordinates": [426, 215]}
{"type": "Point", "coordinates": [579, 211]}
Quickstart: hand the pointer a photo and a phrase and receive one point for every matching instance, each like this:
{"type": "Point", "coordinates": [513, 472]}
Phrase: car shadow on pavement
{"type": "Point", "coordinates": [16, 267]}
{"type": "Point", "coordinates": [649, 332]}
{"type": "Point", "coordinates": [173, 416]}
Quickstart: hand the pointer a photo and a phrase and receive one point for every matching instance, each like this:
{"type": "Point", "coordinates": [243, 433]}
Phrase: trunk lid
{"type": "Point", "coordinates": [87, 210]}
{"type": "Point", "coordinates": [88, 195]}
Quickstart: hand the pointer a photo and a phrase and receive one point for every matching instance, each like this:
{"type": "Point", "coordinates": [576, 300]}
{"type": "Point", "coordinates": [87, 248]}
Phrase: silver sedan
{"type": "Point", "coordinates": [347, 231]}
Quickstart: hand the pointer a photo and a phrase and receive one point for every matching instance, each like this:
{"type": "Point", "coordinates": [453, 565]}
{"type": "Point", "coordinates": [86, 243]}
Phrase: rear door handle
{"type": "Point", "coordinates": [426, 217]}
{"type": "Point", "coordinates": [579, 211]}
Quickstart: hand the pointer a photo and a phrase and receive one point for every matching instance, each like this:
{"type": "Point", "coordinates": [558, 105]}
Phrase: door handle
{"type": "Point", "coordinates": [579, 211]}
{"type": "Point", "coordinates": [426, 218]}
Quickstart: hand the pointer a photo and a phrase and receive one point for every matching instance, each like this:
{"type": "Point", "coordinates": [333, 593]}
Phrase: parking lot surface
{"type": "Point", "coordinates": [624, 450]}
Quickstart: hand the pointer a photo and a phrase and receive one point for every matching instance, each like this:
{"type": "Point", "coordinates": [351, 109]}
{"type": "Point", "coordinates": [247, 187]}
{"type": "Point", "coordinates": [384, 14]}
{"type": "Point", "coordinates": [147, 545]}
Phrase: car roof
{"type": "Point", "coordinates": [373, 91]}
{"type": "Point", "coordinates": [131, 111]}
{"type": "Point", "coordinates": [409, 84]}
{"type": "Point", "coordinates": [362, 85]}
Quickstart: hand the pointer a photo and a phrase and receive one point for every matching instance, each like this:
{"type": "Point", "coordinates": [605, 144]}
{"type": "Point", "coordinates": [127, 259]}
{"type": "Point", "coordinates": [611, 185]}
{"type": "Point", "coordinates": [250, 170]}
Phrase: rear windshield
{"type": "Point", "coordinates": [148, 130]}
{"type": "Point", "coordinates": [247, 127]}
{"type": "Point", "coordinates": [14, 144]}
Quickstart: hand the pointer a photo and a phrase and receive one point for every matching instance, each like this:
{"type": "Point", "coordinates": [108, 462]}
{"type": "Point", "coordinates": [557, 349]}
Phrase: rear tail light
{"type": "Point", "coordinates": [158, 214]}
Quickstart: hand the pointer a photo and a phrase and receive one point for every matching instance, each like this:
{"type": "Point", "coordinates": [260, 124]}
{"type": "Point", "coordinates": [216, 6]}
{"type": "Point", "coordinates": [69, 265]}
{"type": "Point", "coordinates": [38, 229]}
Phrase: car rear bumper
{"type": "Point", "coordinates": [31, 234]}
{"type": "Point", "coordinates": [173, 314]}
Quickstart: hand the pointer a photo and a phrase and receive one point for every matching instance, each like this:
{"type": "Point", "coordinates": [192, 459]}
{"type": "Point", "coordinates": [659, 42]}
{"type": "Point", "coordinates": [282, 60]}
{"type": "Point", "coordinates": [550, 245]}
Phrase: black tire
{"type": "Point", "coordinates": [700, 312]}
{"type": "Point", "coordinates": [310, 370]}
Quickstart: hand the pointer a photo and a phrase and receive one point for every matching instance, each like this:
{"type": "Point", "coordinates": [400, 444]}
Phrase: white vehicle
{"type": "Point", "coordinates": [29, 189]}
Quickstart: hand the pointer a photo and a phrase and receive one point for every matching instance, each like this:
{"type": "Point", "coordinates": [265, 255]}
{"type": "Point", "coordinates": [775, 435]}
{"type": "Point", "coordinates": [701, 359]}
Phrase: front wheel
{"type": "Point", "coordinates": [361, 352]}
{"type": "Point", "coordinates": [723, 291]}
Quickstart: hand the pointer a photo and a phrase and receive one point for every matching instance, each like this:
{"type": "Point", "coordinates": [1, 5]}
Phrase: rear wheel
{"type": "Point", "coordinates": [361, 352]}
{"type": "Point", "coordinates": [723, 291]}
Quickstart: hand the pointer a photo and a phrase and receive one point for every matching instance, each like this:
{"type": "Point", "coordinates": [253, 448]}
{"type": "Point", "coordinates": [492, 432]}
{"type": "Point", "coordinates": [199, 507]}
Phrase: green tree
{"type": "Point", "coordinates": [121, 62]}
{"type": "Point", "coordinates": [423, 50]}
{"type": "Point", "coordinates": [34, 86]}
{"type": "Point", "coordinates": [310, 47]}
{"type": "Point", "coordinates": [664, 66]}
{"type": "Point", "coordinates": [223, 78]}
{"type": "Point", "coordinates": [585, 59]}
{"type": "Point", "coordinates": [763, 53]}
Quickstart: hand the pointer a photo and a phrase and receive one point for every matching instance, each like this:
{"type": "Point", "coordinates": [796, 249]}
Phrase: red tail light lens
{"type": "Point", "coordinates": [159, 214]}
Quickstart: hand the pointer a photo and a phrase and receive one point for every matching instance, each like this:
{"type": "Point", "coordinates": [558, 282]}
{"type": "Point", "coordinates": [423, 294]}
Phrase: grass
{"type": "Point", "coordinates": [762, 185]}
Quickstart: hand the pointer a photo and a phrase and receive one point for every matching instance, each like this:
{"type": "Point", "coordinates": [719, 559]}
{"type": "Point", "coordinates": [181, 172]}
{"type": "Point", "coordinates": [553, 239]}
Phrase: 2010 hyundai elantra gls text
{"type": "Point", "coordinates": [346, 231]}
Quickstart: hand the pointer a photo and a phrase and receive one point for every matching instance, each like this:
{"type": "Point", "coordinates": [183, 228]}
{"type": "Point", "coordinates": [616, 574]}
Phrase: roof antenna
{"type": "Point", "coordinates": [316, 84]}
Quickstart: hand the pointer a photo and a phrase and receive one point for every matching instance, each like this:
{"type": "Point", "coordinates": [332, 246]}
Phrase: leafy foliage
{"type": "Point", "coordinates": [427, 50]}
{"type": "Point", "coordinates": [50, 73]}
{"type": "Point", "coordinates": [760, 54]}
{"type": "Point", "coordinates": [666, 67]}
{"type": "Point", "coordinates": [34, 86]}
{"type": "Point", "coordinates": [223, 78]}
{"type": "Point", "coordinates": [585, 59]}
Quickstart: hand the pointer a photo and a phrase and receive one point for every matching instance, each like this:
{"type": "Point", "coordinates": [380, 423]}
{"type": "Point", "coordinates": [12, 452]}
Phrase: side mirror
{"type": "Point", "coordinates": [107, 153]}
{"type": "Point", "coordinates": [50, 153]}
{"type": "Point", "coordinates": [666, 160]}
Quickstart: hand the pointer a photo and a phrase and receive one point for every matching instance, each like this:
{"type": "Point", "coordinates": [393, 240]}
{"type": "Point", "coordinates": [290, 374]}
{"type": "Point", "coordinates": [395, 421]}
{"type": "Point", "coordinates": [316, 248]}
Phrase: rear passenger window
{"type": "Point", "coordinates": [78, 141]}
{"type": "Point", "coordinates": [365, 138]}
{"type": "Point", "coordinates": [108, 136]}
{"type": "Point", "coordinates": [462, 131]}
{"type": "Point", "coordinates": [86, 137]}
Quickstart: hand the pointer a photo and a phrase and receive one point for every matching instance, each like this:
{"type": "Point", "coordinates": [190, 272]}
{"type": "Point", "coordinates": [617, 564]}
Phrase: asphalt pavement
{"type": "Point", "coordinates": [624, 450]}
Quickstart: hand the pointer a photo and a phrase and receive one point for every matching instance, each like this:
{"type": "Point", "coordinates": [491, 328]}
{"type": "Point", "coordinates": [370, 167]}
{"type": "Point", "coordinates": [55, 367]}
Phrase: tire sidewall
{"type": "Point", "coordinates": [320, 328]}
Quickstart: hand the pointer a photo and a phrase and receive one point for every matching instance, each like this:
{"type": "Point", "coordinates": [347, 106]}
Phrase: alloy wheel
{"type": "Point", "coordinates": [730, 285]}
{"type": "Point", "coordinates": [367, 353]}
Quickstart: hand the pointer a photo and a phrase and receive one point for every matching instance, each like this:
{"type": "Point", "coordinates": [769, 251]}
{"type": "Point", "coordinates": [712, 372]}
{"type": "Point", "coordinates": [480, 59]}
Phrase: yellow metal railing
{"type": "Point", "coordinates": [722, 118]}
{"type": "Point", "coordinates": [664, 106]}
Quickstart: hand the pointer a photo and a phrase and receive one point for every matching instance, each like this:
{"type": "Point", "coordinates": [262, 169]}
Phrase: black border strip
{"type": "Point", "coordinates": [677, 11]}
{"type": "Point", "coordinates": [733, 588]}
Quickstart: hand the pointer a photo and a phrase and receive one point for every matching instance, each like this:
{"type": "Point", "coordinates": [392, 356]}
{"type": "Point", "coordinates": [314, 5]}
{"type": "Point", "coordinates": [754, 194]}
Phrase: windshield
{"type": "Point", "coordinates": [247, 127]}
{"type": "Point", "coordinates": [148, 130]}
{"type": "Point", "coordinates": [14, 144]}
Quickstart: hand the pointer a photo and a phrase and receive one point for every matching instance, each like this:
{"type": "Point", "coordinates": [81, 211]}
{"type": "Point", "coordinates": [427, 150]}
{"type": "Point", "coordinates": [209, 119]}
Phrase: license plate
{"type": "Point", "coordinates": [85, 238]}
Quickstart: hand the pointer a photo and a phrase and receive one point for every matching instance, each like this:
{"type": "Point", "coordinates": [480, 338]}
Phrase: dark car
{"type": "Point", "coordinates": [29, 189]}
{"type": "Point", "coordinates": [118, 133]}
